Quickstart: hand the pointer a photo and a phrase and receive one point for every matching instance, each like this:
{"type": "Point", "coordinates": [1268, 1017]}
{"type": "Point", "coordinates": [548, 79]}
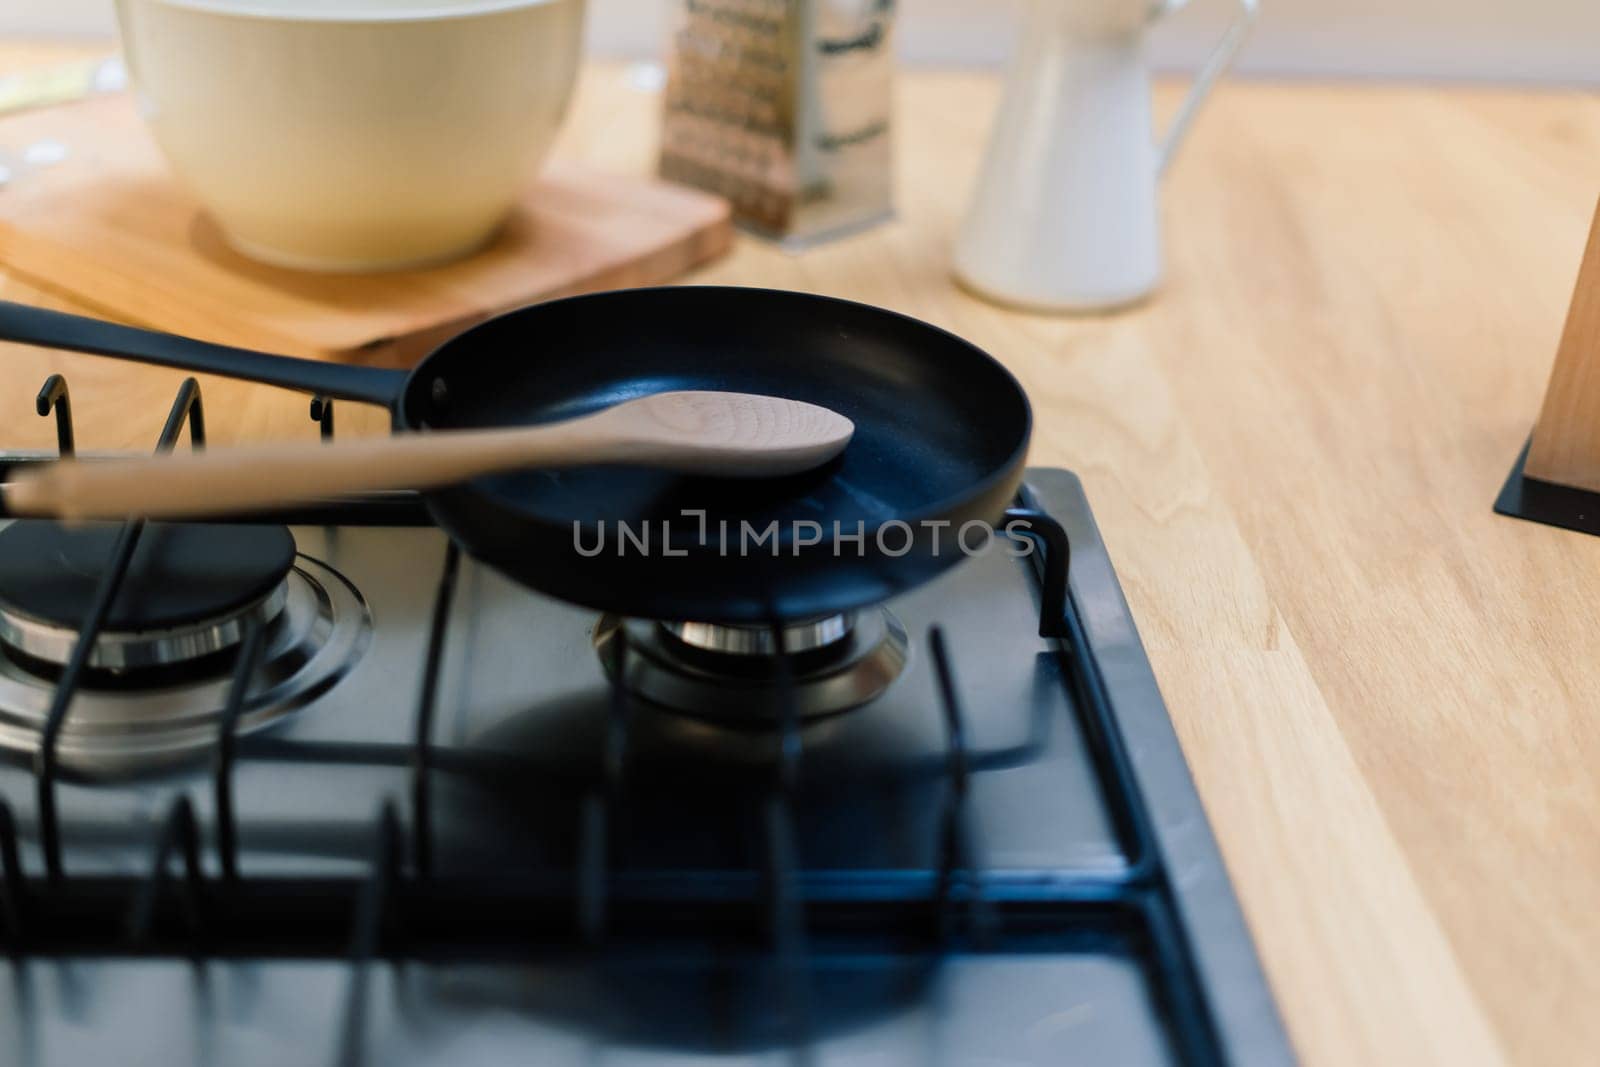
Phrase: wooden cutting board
{"type": "Point", "coordinates": [91, 209]}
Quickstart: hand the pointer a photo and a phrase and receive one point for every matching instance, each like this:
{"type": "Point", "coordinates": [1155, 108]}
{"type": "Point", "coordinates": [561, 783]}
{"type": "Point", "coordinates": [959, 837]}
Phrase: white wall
{"type": "Point", "coordinates": [1494, 40]}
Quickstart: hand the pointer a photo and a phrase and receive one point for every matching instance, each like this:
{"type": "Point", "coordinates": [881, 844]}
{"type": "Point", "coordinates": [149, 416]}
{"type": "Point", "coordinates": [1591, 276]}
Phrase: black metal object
{"type": "Point", "coordinates": [178, 832]}
{"type": "Point", "coordinates": [942, 432]}
{"type": "Point", "coordinates": [45, 761]}
{"type": "Point", "coordinates": [422, 756]}
{"type": "Point", "coordinates": [53, 395]}
{"type": "Point", "coordinates": [11, 886]}
{"type": "Point", "coordinates": [57, 329]}
{"type": "Point", "coordinates": [185, 409]}
{"type": "Point", "coordinates": [1524, 497]}
{"type": "Point", "coordinates": [1057, 562]}
{"type": "Point", "coordinates": [785, 905]}
{"type": "Point", "coordinates": [367, 929]}
{"type": "Point", "coordinates": [957, 851]}
{"type": "Point", "coordinates": [322, 415]}
{"type": "Point", "coordinates": [599, 809]}
{"type": "Point", "coordinates": [227, 749]}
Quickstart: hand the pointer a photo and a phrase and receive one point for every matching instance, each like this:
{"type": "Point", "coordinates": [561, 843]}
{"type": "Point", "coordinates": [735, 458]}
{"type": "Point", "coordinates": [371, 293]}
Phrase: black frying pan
{"type": "Point", "coordinates": [941, 435]}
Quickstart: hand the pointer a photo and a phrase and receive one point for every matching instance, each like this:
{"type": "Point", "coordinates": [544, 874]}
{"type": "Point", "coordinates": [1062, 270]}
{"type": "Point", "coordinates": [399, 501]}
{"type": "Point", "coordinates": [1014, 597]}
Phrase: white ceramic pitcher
{"type": "Point", "coordinates": [1065, 215]}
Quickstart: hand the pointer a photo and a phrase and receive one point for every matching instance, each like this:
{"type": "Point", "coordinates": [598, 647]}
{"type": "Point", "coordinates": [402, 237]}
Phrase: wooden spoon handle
{"type": "Point", "coordinates": [692, 431]}
{"type": "Point", "coordinates": [237, 480]}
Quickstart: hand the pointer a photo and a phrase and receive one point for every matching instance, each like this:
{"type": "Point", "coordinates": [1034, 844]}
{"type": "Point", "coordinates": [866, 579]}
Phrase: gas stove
{"type": "Point", "coordinates": [318, 788]}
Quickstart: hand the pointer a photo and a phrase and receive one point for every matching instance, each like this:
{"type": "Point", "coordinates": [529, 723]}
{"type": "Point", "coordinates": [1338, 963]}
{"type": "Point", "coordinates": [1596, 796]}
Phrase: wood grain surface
{"type": "Point", "coordinates": [1387, 693]}
{"type": "Point", "coordinates": [108, 225]}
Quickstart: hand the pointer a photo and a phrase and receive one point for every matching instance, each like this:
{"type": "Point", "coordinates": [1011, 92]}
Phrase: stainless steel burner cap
{"type": "Point", "coordinates": [658, 663]}
{"type": "Point", "coordinates": [186, 591]}
{"type": "Point", "coordinates": [130, 650]}
{"type": "Point", "coordinates": [744, 640]}
{"type": "Point", "coordinates": [322, 629]}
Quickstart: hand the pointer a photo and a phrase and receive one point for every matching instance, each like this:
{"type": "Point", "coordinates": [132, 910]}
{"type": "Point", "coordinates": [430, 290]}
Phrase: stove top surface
{"type": "Point", "coordinates": [1016, 870]}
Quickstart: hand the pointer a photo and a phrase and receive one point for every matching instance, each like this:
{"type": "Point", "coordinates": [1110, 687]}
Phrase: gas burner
{"type": "Point", "coordinates": [158, 685]}
{"type": "Point", "coordinates": [729, 673]}
{"type": "Point", "coordinates": [189, 593]}
{"type": "Point", "coordinates": [743, 640]}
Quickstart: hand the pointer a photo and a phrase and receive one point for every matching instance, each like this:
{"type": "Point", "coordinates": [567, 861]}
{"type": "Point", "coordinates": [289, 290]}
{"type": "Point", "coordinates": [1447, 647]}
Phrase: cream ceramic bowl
{"type": "Point", "coordinates": [352, 135]}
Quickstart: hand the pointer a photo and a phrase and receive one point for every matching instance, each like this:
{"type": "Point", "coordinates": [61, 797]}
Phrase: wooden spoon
{"type": "Point", "coordinates": [695, 432]}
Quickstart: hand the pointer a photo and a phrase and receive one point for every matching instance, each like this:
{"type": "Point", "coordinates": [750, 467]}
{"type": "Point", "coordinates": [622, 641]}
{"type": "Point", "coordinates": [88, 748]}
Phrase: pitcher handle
{"type": "Point", "coordinates": [1220, 60]}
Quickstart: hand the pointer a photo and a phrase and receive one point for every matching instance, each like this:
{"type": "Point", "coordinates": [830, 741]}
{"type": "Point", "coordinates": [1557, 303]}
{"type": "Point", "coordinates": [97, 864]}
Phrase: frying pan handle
{"type": "Point", "coordinates": [76, 333]}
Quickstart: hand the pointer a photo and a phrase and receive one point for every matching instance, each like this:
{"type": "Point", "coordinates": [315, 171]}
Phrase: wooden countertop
{"type": "Point", "coordinates": [1387, 693]}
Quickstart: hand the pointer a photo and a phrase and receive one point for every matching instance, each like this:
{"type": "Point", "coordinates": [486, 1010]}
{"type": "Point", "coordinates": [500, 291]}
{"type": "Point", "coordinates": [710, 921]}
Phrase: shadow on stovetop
{"type": "Point", "coordinates": [690, 999]}
{"type": "Point", "coordinates": [692, 794]}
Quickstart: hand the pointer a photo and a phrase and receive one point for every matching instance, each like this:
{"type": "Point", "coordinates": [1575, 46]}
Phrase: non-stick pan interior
{"type": "Point", "coordinates": [935, 417]}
